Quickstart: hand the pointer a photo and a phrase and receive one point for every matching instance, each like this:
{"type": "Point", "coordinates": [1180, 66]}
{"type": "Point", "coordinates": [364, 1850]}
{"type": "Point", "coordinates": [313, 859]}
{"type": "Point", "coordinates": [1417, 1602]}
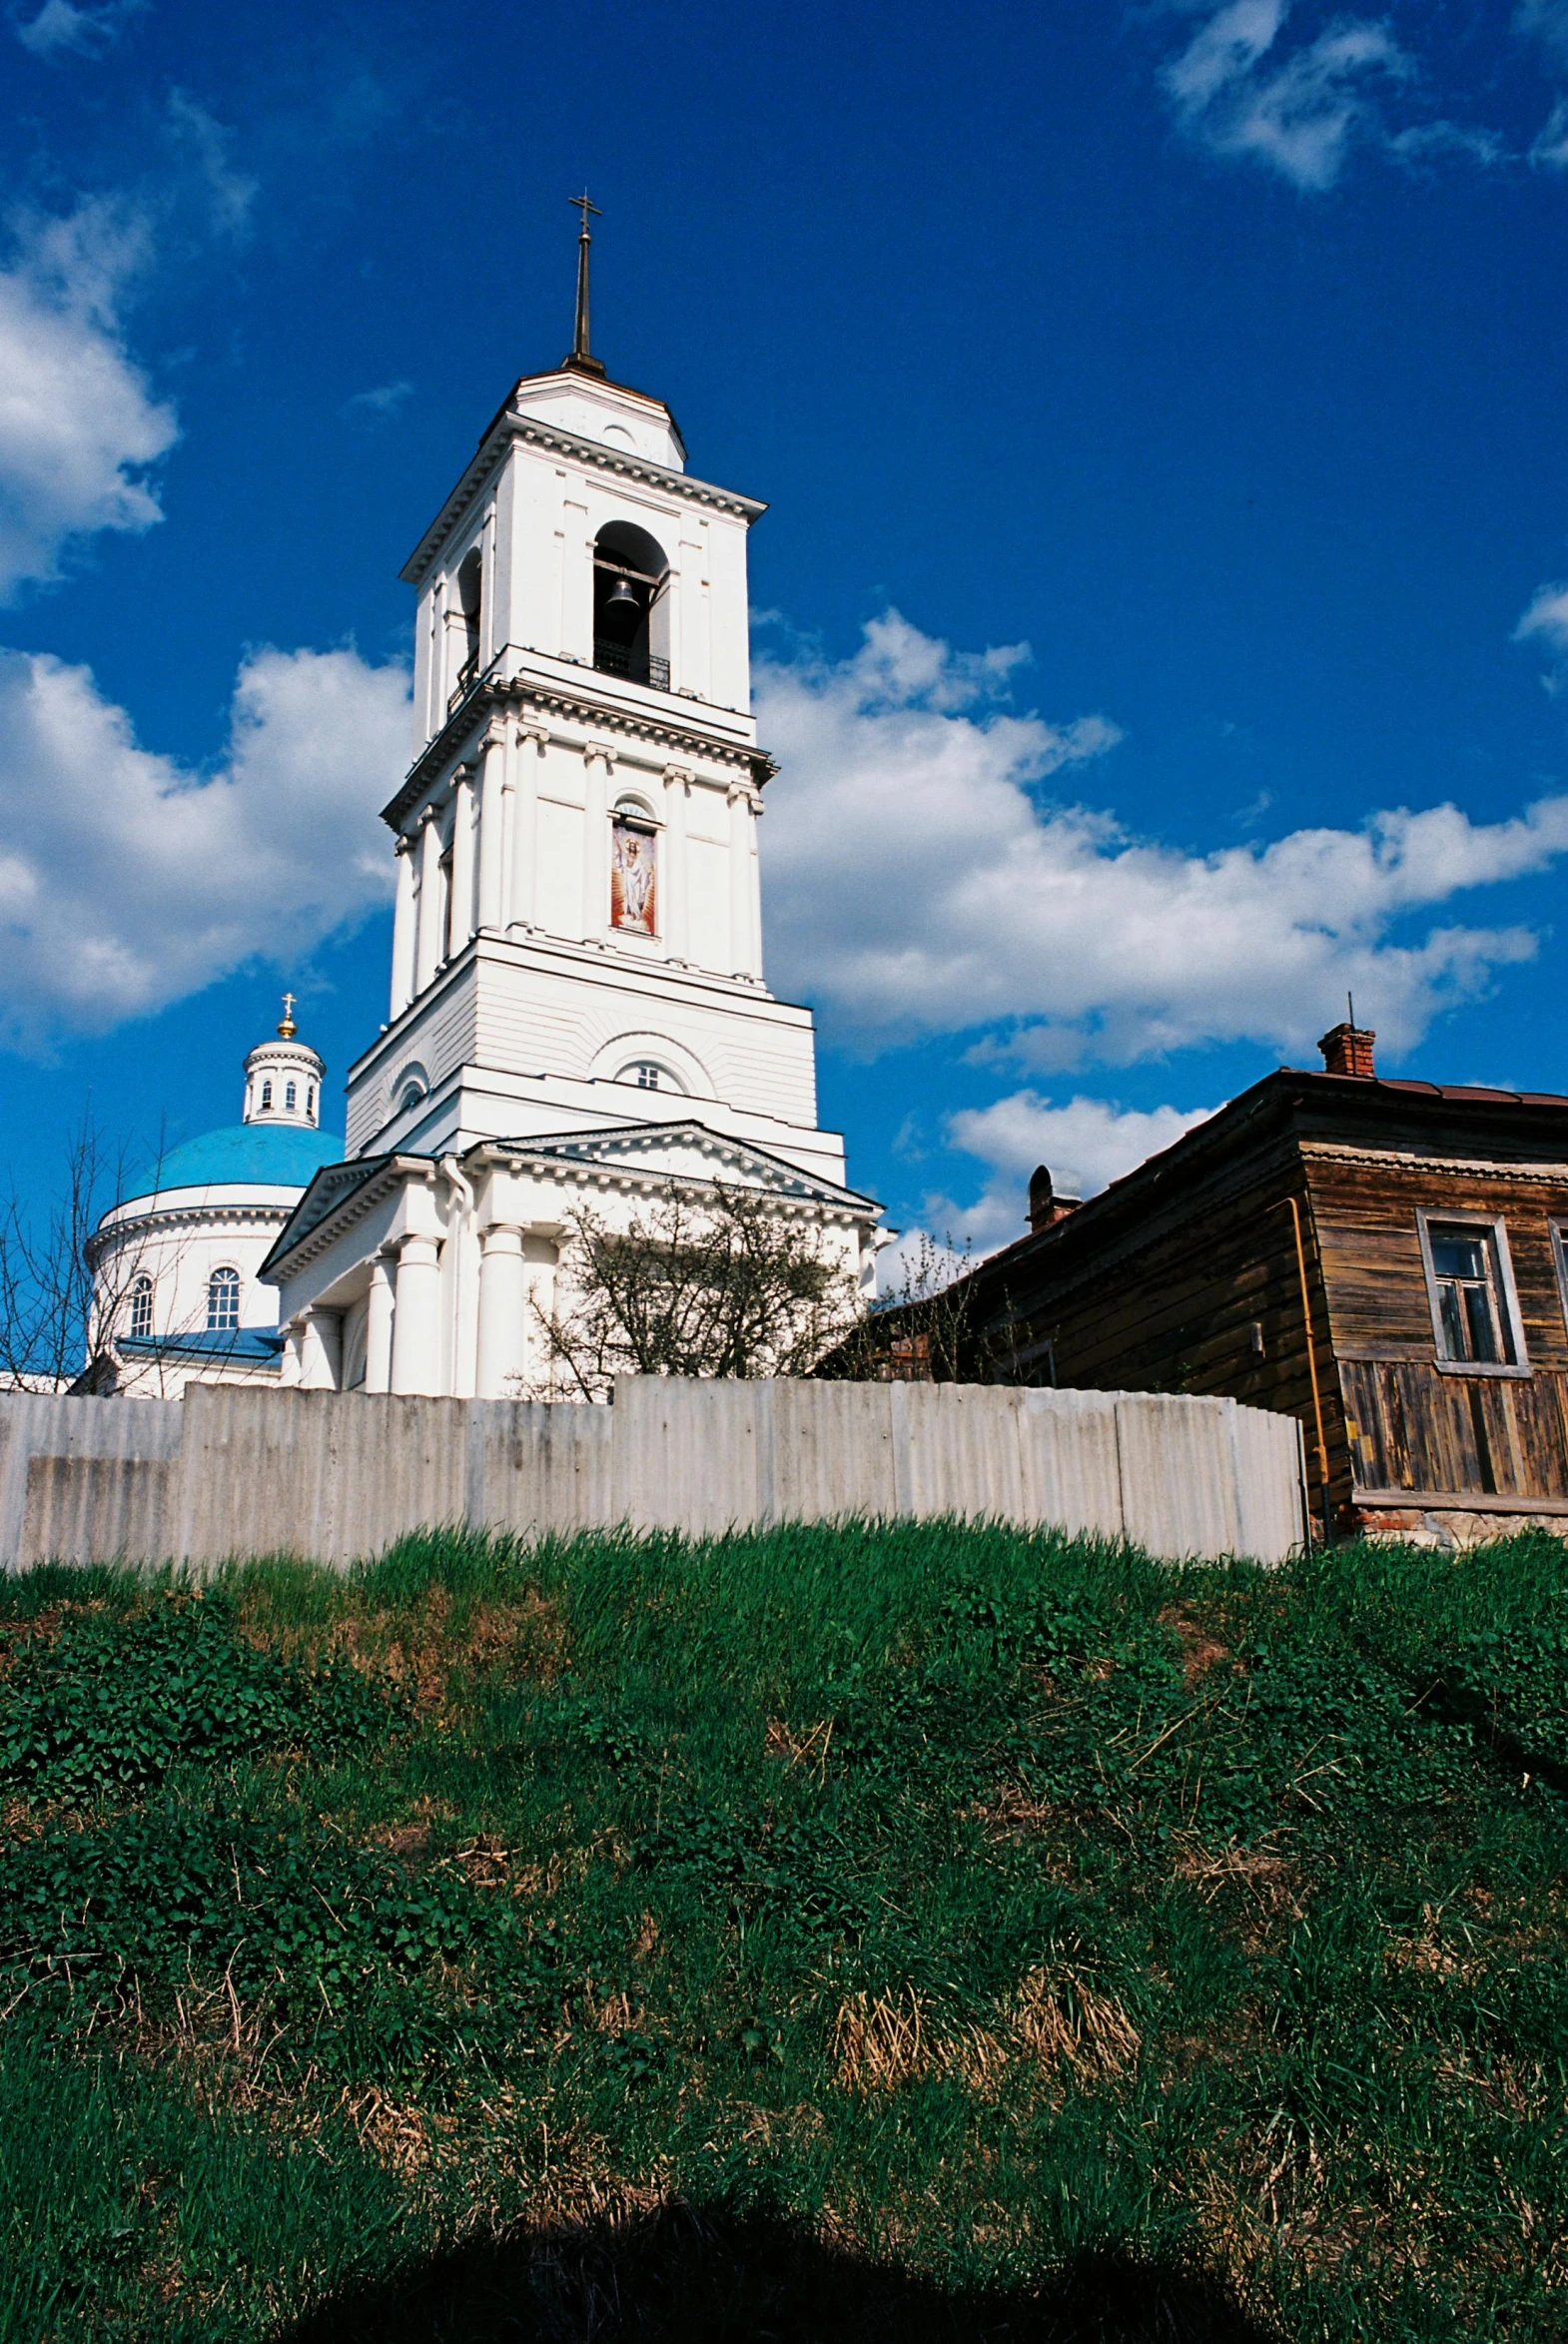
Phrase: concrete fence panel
{"type": "Point", "coordinates": [1271, 1475]}
{"type": "Point", "coordinates": [86, 1480]}
{"type": "Point", "coordinates": [964, 1456]}
{"type": "Point", "coordinates": [831, 1452]}
{"type": "Point", "coordinates": [538, 1470]}
{"type": "Point", "coordinates": [685, 1453]}
{"type": "Point", "coordinates": [1178, 1468]}
{"type": "Point", "coordinates": [233, 1471]}
{"type": "Point", "coordinates": [1071, 1461]}
{"type": "Point", "coordinates": [333, 1474]}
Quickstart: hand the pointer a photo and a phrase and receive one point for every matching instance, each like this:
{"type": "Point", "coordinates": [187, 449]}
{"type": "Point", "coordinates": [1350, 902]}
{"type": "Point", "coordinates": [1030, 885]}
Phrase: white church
{"type": "Point", "coordinates": [579, 1018]}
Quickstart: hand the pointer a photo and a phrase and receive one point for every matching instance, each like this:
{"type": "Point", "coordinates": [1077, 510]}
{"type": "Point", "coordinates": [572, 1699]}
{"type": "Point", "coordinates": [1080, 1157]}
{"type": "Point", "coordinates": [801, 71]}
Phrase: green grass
{"type": "Point", "coordinates": [879, 1930]}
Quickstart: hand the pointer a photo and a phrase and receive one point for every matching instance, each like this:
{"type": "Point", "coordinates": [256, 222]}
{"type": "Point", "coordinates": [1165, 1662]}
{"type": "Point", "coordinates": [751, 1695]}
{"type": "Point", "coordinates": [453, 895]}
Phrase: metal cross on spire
{"type": "Point", "coordinates": [582, 355]}
{"type": "Point", "coordinates": [287, 1026]}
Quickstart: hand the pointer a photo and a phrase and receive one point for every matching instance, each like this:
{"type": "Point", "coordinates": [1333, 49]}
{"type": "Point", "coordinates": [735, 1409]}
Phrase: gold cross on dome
{"type": "Point", "coordinates": [286, 1028]}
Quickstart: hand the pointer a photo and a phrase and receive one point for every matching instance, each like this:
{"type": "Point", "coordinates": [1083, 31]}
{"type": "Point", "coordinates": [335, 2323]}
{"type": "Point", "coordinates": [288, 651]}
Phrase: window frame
{"type": "Point", "coordinates": [223, 1273]}
{"type": "Point", "coordinates": [142, 1290]}
{"type": "Point", "coordinates": [668, 1085]}
{"type": "Point", "coordinates": [1506, 1293]}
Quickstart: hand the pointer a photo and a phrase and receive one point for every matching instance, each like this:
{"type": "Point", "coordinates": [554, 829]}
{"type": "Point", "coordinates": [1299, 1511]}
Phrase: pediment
{"type": "Point", "coordinates": [685, 1150]}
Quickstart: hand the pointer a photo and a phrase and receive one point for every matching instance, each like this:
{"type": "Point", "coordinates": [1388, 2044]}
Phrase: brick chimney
{"type": "Point", "coordinates": [1048, 1205]}
{"type": "Point", "coordinates": [1347, 1050]}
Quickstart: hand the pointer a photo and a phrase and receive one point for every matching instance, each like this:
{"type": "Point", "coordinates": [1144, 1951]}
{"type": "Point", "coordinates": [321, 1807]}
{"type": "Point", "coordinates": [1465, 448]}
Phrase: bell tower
{"type": "Point", "coordinates": [578, 936]}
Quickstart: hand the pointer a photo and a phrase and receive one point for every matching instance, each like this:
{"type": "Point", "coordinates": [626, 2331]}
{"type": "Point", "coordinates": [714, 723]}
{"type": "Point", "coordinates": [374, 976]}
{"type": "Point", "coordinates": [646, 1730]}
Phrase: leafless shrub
{"type": "Point", "coordinates": [728, 1283]}
{"type": "Point", "coordinates": [921, 1330]}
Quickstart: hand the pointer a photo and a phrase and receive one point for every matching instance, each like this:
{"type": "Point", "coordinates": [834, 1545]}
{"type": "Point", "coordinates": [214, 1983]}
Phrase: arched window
{"type": "Point", "coordinates": [649, 1075]}
{"type": "Point", "coordinates": [266, 1095]}
{"type": "Point", "coordinates": [470, 594]}
{"type": "Point", "coordinates": [223, 1302]}
{"type": "Point", "coordinates": [289, 1096]}
{"type": "Point", "coordinates": [310, 1103]}
{"type": "Point", "coordinates": [141, 1324]}
{"type": "Point", "coordinates": [631, 605]}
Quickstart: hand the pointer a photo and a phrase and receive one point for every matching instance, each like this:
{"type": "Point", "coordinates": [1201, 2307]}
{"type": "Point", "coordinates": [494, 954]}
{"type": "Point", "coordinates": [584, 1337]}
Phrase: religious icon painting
{"type": "Point", "coordinates": [632, 890]}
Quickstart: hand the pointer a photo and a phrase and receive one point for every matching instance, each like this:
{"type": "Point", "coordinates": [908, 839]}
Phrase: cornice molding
{"type": "Point", "coordinates": [508, 428]}
{"type": "Point", "coordinates": [528, 701]}
{"type": "Point", "coordinates": [1411, 1161]}
{"type": "Point", "coordinates": [226, 1218]}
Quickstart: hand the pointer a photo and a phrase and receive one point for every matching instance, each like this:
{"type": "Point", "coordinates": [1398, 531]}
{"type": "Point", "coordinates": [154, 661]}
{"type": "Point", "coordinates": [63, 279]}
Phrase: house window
{"type": "Point", "coordinates": [141, 1308]}
{"type": "Point", "coordinates": [289, 1099]}
{"type": "Point", "coordinates": [1560, 1256]}
{"type": "Point", "coordinates": [310, 1103]}
{"type": "Point", "coordinates": [267, 1096]}
{"type": "Point", "coordinates": [223, 1302]}
{"type": "Point", "coordinates": [1476, 1315]}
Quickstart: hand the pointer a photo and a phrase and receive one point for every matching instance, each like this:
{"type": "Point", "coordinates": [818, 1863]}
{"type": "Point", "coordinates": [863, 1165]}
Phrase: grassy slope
{"type": "Point", "coordinates": [935, 1913]}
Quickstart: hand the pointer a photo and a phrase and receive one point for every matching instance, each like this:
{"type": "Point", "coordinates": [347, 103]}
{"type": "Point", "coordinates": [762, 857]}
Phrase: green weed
{"type": "Point", "coordinates": [989, 1910]}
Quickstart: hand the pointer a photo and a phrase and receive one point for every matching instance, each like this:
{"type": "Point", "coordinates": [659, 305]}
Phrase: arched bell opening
{"type": "Point", "coordinates": [631, 605]}
{"type": "Point", "coordinates": [470, 595]}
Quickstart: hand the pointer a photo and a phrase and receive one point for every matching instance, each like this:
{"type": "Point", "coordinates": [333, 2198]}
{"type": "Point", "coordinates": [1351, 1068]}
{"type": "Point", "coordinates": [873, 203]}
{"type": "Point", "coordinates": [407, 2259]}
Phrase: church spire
{"type": "Point", "coordinates": [581, 358]}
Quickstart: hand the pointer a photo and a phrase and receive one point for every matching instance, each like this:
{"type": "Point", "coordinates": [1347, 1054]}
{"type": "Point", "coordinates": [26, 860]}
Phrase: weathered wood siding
{"type": "Point", "coordinates": [1408, 1423]}
{"type": "Point", "coordinates": [1208, 1303]}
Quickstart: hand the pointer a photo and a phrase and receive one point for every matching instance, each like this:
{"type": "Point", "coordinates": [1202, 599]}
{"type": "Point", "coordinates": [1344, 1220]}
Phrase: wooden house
{"type": "Point", "coordinates": [1386, 1260]}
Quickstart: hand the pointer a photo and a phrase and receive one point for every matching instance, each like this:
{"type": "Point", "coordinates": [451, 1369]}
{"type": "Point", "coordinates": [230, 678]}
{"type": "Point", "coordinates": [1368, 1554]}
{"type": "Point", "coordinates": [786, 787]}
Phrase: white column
{"type": "Point", "coordinates": [523, 895]}
{"type": "Point", "coordinates": [428, 944]}
{"type": "Point", "coordinates": [460, 913]}
{"type": "Point", "coordinates": [754, 866]}
{"type": "Point", "coordinates": [493, 831]}
{"type": "Point", "coordinates": [504, 1322]}
{"type": "Point", "coordinates": [404, 915]}
{"type": "Point", "coordinates": [321, 1350]}
{"type": "Point", "coordinates": [742, 952]}
{"type": "Point", "coordinates": [674, 920]}
{"type": "Point", "coordinates": [416, 1349]}
{"type": "Point", "coordinates": [379, 1327]}
{"type": "Point", "coordinates": [596, 844]}
{"type": "Point", "coordinates": [289, 1365]}
{"type": "Point", "coordinates": [541, 1255]}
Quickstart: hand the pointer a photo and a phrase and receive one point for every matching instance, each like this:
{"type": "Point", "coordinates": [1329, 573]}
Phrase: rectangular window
{"type": "Point", "coordinates": [1560, 1256]}
{"type": "Point", "coordinates": [1469, 1278]}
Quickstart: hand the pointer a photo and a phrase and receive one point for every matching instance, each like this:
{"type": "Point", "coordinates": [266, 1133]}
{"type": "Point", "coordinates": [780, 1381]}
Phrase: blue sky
{"type": "Point", "coordinates": [1218, 355]}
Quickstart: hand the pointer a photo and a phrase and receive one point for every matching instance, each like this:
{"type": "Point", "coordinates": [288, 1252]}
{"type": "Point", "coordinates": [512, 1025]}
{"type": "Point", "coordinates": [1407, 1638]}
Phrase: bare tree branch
{"type": "Point", "coordinates": [729, 1283]}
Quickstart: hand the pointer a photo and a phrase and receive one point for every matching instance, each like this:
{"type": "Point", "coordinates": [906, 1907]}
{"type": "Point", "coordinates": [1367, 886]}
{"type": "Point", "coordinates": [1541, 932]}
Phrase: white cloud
{"type": "Point", "coordinates": [1296, 114]}
{"type": "Point", "coordinates": [384, 400]}
{"type": "Point", "coordinates": [1546, 624]}
{"type": "Point", "coordinates": [1549, 150]}
{"type": "Point", "coordinates": [128, 881]}
{"type": "Point", "coordinates": [1545, 21]}
{"type": "Point", "coordinates": [1086, 1143]}
{"type": "Point", "coordinates": [203, 184]}
{"type": "Point", "coordinates": [59, 29]}
{"type": "Point", "coordinates": [920, 883]}
{"type": "Point", "coordinates": [79, 424]}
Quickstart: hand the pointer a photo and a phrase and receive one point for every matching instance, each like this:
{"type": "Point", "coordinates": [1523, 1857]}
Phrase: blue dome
{"type": "Point", "coordinates": [246, 1155]}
